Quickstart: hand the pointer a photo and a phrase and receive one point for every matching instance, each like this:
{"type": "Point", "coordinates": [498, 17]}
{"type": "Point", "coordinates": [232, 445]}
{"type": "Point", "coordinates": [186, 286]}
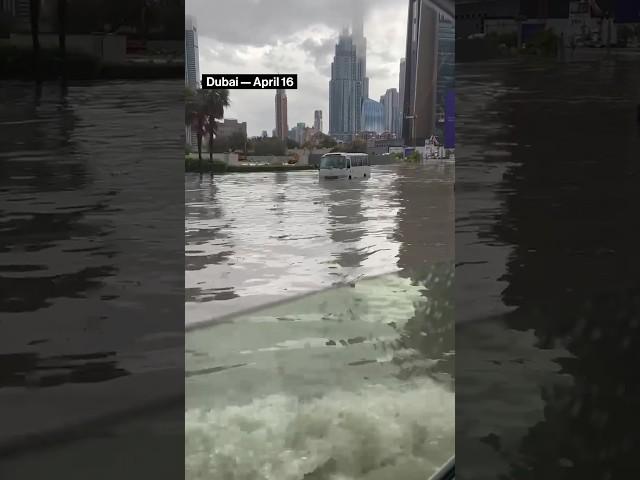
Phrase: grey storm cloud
{"type": "Point", "coordinates": [294, 36]}
{"type": "Point", "coordinates": [260, 22]}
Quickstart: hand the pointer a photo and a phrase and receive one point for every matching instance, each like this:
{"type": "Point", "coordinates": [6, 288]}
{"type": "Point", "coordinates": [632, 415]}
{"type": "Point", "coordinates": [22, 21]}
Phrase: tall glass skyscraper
{"type": "Point", "coordinates": [349, 85]}
{"type": "Point", "coordinates": [446, 70]}
{"type": "Point", "coordinates": [372, 116]}
{"type": "Point", "coordinates": [191, 58]}
{"type": "Point", "coordinates": [191, 66]}
{"type": "Point", "coordinates": [419, 93]}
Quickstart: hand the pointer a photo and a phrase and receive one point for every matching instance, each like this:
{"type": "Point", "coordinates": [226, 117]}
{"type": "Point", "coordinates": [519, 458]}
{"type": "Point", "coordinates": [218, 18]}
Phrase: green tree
{"type": "Point", "coordinates": [202, 110]}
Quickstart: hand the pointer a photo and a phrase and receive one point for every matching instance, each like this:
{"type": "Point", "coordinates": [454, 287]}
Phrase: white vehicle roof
{"type": "Point", "coordinates": [346, 154]}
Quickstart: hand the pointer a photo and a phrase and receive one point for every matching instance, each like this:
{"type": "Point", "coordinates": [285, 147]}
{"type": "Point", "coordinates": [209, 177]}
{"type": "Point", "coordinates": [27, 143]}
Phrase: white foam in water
{"type": "Point", "coordinates": [400, 431]}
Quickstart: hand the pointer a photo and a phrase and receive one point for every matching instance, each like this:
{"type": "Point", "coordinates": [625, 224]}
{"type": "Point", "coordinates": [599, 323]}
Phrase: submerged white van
{"type": "Point", "coordinates": [344, 165]}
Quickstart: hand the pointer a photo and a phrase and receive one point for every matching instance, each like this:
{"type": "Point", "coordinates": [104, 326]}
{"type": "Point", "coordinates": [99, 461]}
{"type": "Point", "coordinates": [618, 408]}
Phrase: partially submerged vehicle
{"type": "Point", "coordinates": [344, 165]}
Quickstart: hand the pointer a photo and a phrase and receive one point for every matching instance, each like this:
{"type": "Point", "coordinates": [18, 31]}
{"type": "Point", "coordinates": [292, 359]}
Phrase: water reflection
{"type": "Point", "coordinates": [86, 253]}
{"type": "Point", "coordinates": [255, 238]}
{"type": "Point", "coordinates": [545, 384]}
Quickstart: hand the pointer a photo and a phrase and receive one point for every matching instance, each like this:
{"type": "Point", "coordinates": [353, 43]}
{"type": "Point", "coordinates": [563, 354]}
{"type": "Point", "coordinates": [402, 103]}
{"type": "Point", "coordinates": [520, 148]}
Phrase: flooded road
{"type": "Point", "coordinates": [255, 238]}
{"type": "Point", "coordinates": [547, 298]}
{"type": "Point", "coordinates": [353, 380]}
{"type": "Point", "coordinates": [87, 253]}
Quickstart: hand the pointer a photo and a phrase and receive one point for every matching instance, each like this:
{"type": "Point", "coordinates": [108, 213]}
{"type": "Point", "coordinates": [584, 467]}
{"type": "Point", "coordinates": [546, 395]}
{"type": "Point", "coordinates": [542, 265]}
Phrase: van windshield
{"type": "Point", "coordinates": [333, 161]}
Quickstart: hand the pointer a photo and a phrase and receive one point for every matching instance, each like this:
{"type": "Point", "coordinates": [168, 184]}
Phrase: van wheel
{"type": "Point", "coordinates": [349, 177]}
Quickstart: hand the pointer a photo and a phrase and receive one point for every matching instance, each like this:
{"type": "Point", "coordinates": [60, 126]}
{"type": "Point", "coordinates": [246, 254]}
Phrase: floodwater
{"type": "Point", "coordinates": [352, 376]}
{"type": "Point", "coordinates": [256, 238]}
{"type": "Point", "coordinates": [87, 258]}
{"type": "Point", "coordinates": [547, 298]}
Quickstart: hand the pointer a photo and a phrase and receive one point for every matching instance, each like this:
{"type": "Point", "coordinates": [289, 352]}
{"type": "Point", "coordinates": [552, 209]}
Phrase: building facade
{"type": "Point", "coordinates": [191, 56]}
{"type": "Point", "coordinates": [419, 106]}
{"type": "Point", "coordinates": [372, 116]}
{"type": "Point", "coordinates": [349, 84]}
{"type": "Point", "coordinates": [229, 127]}
{"type": "Point", "coordinates": [282, 127]}
{"type": "Point", "coordinates": [317, 120]}
{"type": "Point", "coordinates": [342, 101]}
{"type": "Point", "coordinates": [445, 80]}
{"type": "Point", "coordinates": [401, 114]}
{"type": "Point", "coordinates": [390, 104]}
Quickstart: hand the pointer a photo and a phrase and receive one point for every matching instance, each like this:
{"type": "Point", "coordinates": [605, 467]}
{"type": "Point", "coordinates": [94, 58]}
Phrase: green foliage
{"type": "Point", "coordinates": [414, 157]}
{"type": "Point", "coordinates": [202, 108]}
{"type": "Point", "coordinates": [292, 143]}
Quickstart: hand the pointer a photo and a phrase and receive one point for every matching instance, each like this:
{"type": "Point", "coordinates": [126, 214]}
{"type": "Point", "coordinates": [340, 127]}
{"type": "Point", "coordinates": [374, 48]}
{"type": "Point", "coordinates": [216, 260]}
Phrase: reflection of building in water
{"type": "Point", "coordinates": [425, 228]}
{"type": "Point", "coordinates": [346, 221]}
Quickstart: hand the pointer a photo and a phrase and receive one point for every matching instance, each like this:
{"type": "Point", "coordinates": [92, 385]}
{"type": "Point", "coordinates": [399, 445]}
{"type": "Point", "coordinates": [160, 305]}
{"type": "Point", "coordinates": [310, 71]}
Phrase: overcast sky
{"type": "Point", "coordinates": [294, 36]}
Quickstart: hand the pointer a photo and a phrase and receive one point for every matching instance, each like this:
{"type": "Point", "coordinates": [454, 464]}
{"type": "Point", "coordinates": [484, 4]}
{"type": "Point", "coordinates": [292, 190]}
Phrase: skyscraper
{"type": "Point", "coordinates": [191, 66]}
{"type": "Point", "coordinates": [349, 85]}
{"type": "Point", "coordinates": [372, 116]}
{"type": "Point", "coordinates": [282, 128]}
{"type": "Point", "coordinates": [191, 59]}
{"type": "Point", "coordinates": [317, 120]}
{"type": "Point", "coordinates": [401, 113]}
{"type": "Point", "coordinates": [419, 107]}
{"type": "Point", "coordinates": [390, 103]}
{"type": "Point", "coordinates": [343, 105]}
{"type": "Point", "coordinates": [446, 70]}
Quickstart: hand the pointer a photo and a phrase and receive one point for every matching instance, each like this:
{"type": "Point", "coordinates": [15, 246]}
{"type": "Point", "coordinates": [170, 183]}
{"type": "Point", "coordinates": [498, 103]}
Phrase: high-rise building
{"type": "Point", "coordinates": [445, 71]}
{"type": "Point", "coordinates": [191, 66]}
{"type": "Point", "coordinates": [191, 58]}
{"type": "Point", "coordinates": [343, 105]}
{"type": "Point", "coordinates": [264, 134]}
{"type": "Point", "coordinates": [390, 104]}
{"type": "Point", "coordinates": [401, 114]}
{"type": "Point", "coordinates": [419, 107]}
{"type": "Point", "coordinates": [282, 128]}
{"type": "Point", "coordinates": [349, 85]}
{"type": "Point", "coordinates": [317, 120]}
{"type": "Point", "coordinates": [372, 116]}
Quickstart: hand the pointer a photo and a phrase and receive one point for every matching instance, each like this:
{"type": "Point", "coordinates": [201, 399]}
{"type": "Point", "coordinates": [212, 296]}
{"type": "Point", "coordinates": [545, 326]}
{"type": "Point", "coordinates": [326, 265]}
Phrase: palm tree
{"type": "Point", "coordinates": [215, 103]}
{"type": "Point", "coordinates": [202, 108]}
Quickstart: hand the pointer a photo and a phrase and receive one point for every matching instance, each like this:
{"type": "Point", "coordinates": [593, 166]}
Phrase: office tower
{"type": "Point", "coordinates": [349, 85]}
{"type": "Point", "coordinates": [372, 116]}
{"type": "Point", "coordinates": [191, 66]}
{"type": "Point", "coordinates": [401, 113]}
{"type": "Point", "coordinates": [446, 70]}
{"type": "Point", "coordinates": [299, 133]}
{"type": "Point", "coordinates": [420, 73]}
{"type": "Point", "coordinates": [282, 128]}
{"type": "Point", "coordinates": [390, 103]}
{"type": "Point", "coordinates": [343, 105]}
{"type": "Point", "coordinates": [191, 59]}
{"type": "Point", "coordinates": [317, 120]}
{"type": "Point", "coordinates": [264, 134]}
